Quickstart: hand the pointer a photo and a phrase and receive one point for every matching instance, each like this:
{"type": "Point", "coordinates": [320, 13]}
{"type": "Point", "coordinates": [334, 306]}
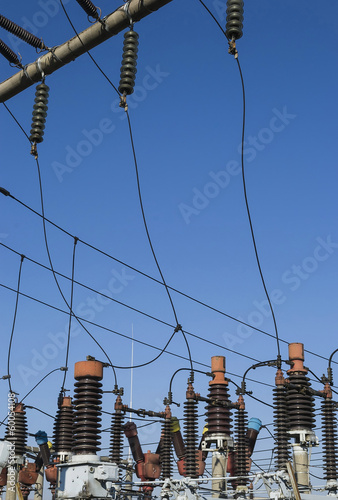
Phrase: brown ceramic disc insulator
{"type": "Point", "coordinates": [281, 427]}
{"type": "Point", "coordinates": [87, 426]}
{"type": "Point", "coordinates": [300, 405]}
{"type": "Point", "coordinates": [218, 417]}
{"type": "Point", "coordinates": [329, 426]}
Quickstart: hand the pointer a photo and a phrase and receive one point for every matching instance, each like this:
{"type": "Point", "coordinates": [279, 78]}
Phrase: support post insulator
{"type": "Point", "coordinates": [89, 8]}
{"type": "Point", "coordinates": [218, 417]}
{"type": "Point", "coordinates": [116, 440]}
{"type": "Point", "coordinates": [129, 61]}
{"type": "Point", "coordinates": [87, 404]}
{"type": "Point", "coordinates": [9, 54]}
{"type": "Point", "coordinates": [234, 20]}
{"type": "Point", "coordinates": [16, 431]}
{"type": "Point", "coordinates": [281, 426]}
{"type": "Point", "coordinates": [22, 33]}
{"type": "Point", "coordinates": [166, 447]}
{"type": "Point", "coordinates": [329, 433]}
{"type": "Point", "coordinates": [190, 434]}
{"type": "Point", "coordinates": [300, 404]}
{"type": "Point", "coordinates": [241, 456]}
{"type": "Point", "coordinates": [63, 427]}
{"type": "Point", "coordinates": [39, 113]}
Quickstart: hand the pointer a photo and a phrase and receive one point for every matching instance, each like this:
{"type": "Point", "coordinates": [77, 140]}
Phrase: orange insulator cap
{"type": "Point", "coordinates": [218, 370]}
{"type": "Point", "coordinates": [66, 402]}
{"type": "Point", "coordinates": [296, 355]}
{"type": "Point", "coordinates": [92, 369]}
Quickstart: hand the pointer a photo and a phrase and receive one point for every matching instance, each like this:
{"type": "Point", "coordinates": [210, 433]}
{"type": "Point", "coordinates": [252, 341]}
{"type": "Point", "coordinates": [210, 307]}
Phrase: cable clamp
{"type": "Point", "coordinates": [233, 49]}
{"type": "Point", "coordinates": [126, 10]}
{"type": "Point", "coordinates": [123, 102]}
{"type": "Point", "coordinates": [178, 328]}
{"type": "Point", "coordinates": [38, 63]}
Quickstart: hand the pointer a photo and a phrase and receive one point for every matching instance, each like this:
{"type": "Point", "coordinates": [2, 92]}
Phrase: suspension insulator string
{"type": "Point", "coordinates": [39, 116]}
{"type": "Point", "coordinates": [128, 67]}
{"type": "Point", "coordinates": [234, 24]}
{"type": "Point", "coordinates": [89, 8]}
{"type": "Point", "coordinates": [9, 54]}
{"type": "Point", "coordinates": [22, 33]}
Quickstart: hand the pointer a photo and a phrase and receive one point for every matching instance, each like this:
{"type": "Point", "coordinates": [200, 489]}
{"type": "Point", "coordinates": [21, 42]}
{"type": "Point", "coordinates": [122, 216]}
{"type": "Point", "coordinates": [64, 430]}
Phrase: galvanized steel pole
{"type": "Point", "coordinates": [113, 24]}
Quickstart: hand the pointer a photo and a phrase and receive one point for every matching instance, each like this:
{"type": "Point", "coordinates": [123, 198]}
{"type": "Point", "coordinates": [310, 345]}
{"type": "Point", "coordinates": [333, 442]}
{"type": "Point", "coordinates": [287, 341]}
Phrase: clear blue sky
{"type": "Point", "coordinates": [186, 115]}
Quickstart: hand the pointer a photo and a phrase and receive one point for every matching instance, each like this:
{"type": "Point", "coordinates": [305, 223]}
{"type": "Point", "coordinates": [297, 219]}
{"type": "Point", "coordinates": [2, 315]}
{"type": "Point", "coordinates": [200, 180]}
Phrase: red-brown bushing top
{"type": "Point", "coordinates": [218, 370]}
{"type": "Point", "coordinates": [66, 402]}
{"type": "Point", "coordinates": [296, 355]}
{"type": "Point", "coordinates": [92, 369]}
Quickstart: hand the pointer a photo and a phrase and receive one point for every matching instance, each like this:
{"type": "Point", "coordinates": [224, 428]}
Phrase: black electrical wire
{"type": "Point", "coordinates": [102, 252]}
{"type": "Point", "coordinates": [54, 275]}
{"type": "Point", "coordinates": [214, 18]}
{"type": "Point", "coordinates": [185, 369]}
{"type": "Point", "coordinates": [38, 409]}
{"type": "Point", "coordinates": [178, 326]}
{"type": "Point", "coordinates": [13, 324]}
{"type": "Point", "coordinates": [245, 191]}
{"type": "Point", "coordinates": [70, 315]}
{"type": "Point", "coordinates": [248, 210]}
{"type": "Point", "coordinates": [91, 57]}
{"type": "Point", "coordinates": [134, 339]}
{"type": "Point", "coordinates": [43, 378]}
{"type": "Point", "coordinates": [16, 121]}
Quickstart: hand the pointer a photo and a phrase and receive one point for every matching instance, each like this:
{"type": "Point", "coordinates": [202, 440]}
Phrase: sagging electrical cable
{"type": "Point", "coordinates": [233, 32]}
{"type": "Point", "coordinates": [7, 193]}
{"type": "Point", "coordinates": [178, 325]}
{"type": "Point", "coordinates": [36, 385]}
{"type": "Point", "coordinates": [89, 54]}
{"type": "Point", "coordinates": [13, 324]}
{"type": "Point", "coordinates": [70, 314]}
{"type": "Point", "coordinates": [54, 275]}
{"type": "Point", "coordinates": [131, 338]}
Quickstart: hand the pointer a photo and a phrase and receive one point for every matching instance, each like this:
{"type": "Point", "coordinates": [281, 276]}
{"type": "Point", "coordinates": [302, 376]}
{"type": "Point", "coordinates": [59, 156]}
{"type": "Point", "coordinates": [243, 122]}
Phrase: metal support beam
{"type": "Point", "coordinates": [97, 33]}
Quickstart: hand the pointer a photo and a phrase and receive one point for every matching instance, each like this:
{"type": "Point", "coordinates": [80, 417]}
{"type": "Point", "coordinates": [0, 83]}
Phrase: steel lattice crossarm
{"type": "Point", "coordinates": [63, 54]}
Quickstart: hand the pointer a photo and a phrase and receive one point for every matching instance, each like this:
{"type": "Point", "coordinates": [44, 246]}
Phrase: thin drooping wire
{"type": "Point", "coordinates": [55, 277]}
{"type": "Point", "coordinates": [16, 121]}
{"type": "Point", "coordinates": [13, 324]}
{"type": "Point", "coordinates": [214, 18]}
{"type": "Point", "coordinates": [134, 339]}
{"type": "Point", "coordinates": [248, 210]}
{"type": "Point", "coordinates": [91, 57]}
{"type": "Point", "coordinates": [70, 315]}
{"type": "Point", "coordinates": [28, 393]}
{"type": "Point", "coordinates": [150, 277]}
{"type": "Point", "coordinates": [130, 338]}
{"type": "Point", "coordinates": [6, 193]}
{"type": "Point", "coordinates": [245, 191]}
{"type": "Point", "coordinates": [178, 326]}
